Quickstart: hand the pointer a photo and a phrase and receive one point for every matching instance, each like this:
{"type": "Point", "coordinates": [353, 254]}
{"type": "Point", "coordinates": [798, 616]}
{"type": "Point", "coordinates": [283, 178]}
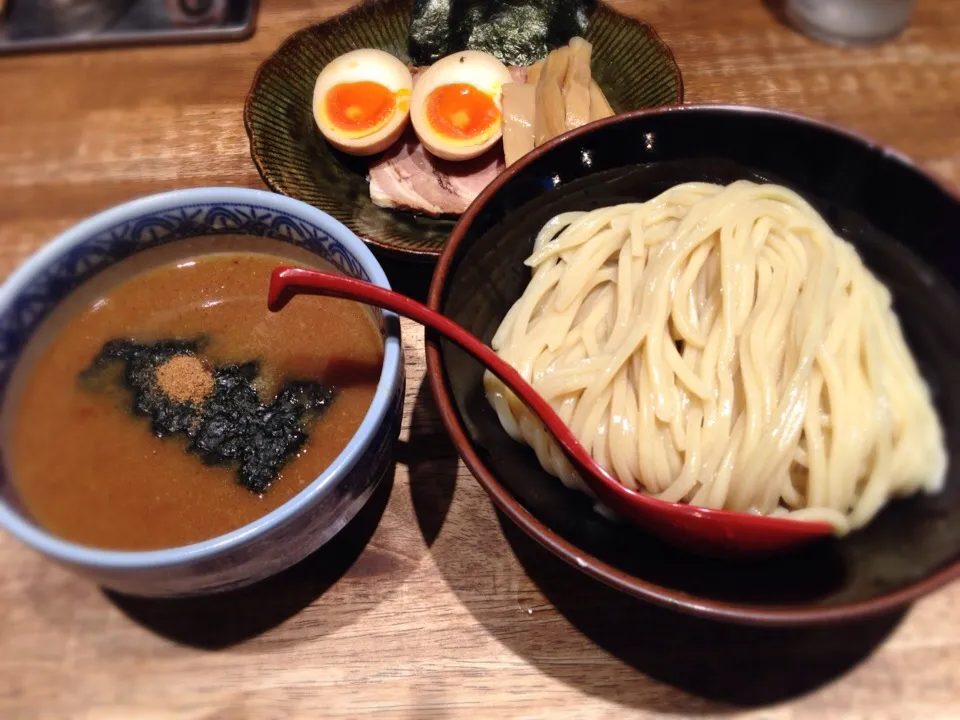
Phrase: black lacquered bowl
{"type": "Point", "coordinates": [905, 227]}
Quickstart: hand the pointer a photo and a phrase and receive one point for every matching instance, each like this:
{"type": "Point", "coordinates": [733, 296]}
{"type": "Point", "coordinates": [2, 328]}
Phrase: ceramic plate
{"type": "Point", "coordinates": [630, 63]}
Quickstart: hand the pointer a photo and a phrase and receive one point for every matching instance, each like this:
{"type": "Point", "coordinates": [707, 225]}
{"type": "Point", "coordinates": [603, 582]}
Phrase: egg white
{"type": "Point", "coordinates": [479, 69]}
{"type": "Point", "coordinates": [355, 66]}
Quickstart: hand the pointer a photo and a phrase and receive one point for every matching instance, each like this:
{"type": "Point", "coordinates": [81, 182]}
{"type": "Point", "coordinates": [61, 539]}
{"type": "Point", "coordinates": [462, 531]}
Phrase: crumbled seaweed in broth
{"type": "Point", "coordinates": [231, 426]}
{"type": "Point", "coordinates": [519, 32]}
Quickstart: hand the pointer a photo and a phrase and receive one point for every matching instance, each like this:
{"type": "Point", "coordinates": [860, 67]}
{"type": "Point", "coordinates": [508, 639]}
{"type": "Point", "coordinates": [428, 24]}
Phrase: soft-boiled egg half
{"type": "Point", "coordinates": [456, 104]}
{"type": "Point", "coordinates": [361, 101]}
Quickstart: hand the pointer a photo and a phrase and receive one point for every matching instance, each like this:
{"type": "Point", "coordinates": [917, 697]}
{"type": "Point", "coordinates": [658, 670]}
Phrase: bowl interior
{"type": "Point", "coordinates": [294, 159]}
{"type": "Point", "coordinates": [44, 293]}
{"type": "Point", "coordinates": [901, 222]}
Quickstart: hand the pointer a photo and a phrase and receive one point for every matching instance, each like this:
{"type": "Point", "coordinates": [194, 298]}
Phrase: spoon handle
{"type": "Point", "coordinates": [289, 281]}
{"type": "Point", "coordinates": [706, 530]}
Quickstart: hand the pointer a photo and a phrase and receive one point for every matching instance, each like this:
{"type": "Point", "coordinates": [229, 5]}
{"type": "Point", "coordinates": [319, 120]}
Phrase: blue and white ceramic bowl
{"type": "Point", "coordinates": [306, 521]}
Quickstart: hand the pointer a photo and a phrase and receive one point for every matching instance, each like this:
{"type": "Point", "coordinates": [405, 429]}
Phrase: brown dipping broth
{"type": "Point", "coordinates": [88, 470]}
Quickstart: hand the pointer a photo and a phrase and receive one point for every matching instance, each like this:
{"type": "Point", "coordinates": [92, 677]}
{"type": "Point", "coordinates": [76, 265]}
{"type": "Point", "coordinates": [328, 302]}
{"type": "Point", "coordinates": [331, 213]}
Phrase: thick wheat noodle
{"type": "Point", "coordinates": [721, 346]}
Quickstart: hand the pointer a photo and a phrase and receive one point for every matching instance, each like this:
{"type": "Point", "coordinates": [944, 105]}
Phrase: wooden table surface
{"type": "Point", "coordinates": [429, 605]}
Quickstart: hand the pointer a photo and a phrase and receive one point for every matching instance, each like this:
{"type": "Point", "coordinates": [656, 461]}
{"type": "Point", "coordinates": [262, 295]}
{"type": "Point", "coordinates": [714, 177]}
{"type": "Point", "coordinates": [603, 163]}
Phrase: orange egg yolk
{"type": "Point", "coordinates": [461, 111]}
{"type": "Point", "coordinates": [360, 107]}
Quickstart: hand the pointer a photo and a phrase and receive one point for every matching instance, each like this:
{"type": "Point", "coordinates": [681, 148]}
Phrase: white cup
{"type": "Point", "coordinates": [850, 22]}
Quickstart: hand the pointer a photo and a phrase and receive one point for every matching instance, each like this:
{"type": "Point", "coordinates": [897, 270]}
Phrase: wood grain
{"type": "Point", "coordinates": [430, 606]}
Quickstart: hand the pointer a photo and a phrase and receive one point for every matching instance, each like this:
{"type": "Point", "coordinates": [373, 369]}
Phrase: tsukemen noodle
{"type": "Point", "coordinates": [721, 346]}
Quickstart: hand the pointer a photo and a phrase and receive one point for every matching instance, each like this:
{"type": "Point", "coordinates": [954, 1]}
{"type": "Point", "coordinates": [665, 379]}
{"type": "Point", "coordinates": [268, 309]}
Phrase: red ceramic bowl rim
{"type": "Point", "coordinates": [619, 579]}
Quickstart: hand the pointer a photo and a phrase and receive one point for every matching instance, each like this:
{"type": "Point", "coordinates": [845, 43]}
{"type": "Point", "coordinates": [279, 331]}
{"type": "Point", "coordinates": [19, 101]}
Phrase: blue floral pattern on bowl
{"type": "Point", "coordinates": [150, 230]}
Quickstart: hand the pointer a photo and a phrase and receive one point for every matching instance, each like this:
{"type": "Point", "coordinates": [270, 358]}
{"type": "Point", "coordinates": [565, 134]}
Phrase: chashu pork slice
{"type": "Point", "coordinates": [407, 177]}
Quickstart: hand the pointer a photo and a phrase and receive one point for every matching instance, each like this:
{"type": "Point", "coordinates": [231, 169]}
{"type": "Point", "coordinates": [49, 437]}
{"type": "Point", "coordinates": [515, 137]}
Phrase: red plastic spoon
{"type": "Point", "coordinates": [704, 530]}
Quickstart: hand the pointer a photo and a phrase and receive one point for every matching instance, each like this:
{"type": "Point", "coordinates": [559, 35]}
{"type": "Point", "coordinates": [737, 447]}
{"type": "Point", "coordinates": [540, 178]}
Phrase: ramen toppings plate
{"type": "Point", "coordinates": [295, 159]}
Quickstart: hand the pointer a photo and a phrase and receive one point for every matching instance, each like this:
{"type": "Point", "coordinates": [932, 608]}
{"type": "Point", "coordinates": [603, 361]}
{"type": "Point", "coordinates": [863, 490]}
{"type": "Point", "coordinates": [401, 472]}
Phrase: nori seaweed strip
{"type": "Point", "coordinates": [430, 28]}
{"type": "Point", "coordinates": [519, 32]}
{"type": "Point", "coordinates": [232, 426]}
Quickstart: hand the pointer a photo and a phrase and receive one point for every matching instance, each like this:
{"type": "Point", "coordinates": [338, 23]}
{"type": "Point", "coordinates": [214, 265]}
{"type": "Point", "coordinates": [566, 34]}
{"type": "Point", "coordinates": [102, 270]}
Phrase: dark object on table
{"type": "Point", "coordinates": [31, 25]}
{"type": "Point", "coordinates": [294, 159]}
{"type": "Point", "coordinates": [186, 13]}
{"type": "Point", "coordinates": [82, 17]}
{"type": "Point", "coordinates": [519, 32]}
{"type": "Point", "coordinates": [912, 547]}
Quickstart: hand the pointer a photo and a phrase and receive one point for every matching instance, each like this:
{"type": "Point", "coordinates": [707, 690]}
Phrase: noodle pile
{"type": "Point", "coordinates": [721, 346]}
